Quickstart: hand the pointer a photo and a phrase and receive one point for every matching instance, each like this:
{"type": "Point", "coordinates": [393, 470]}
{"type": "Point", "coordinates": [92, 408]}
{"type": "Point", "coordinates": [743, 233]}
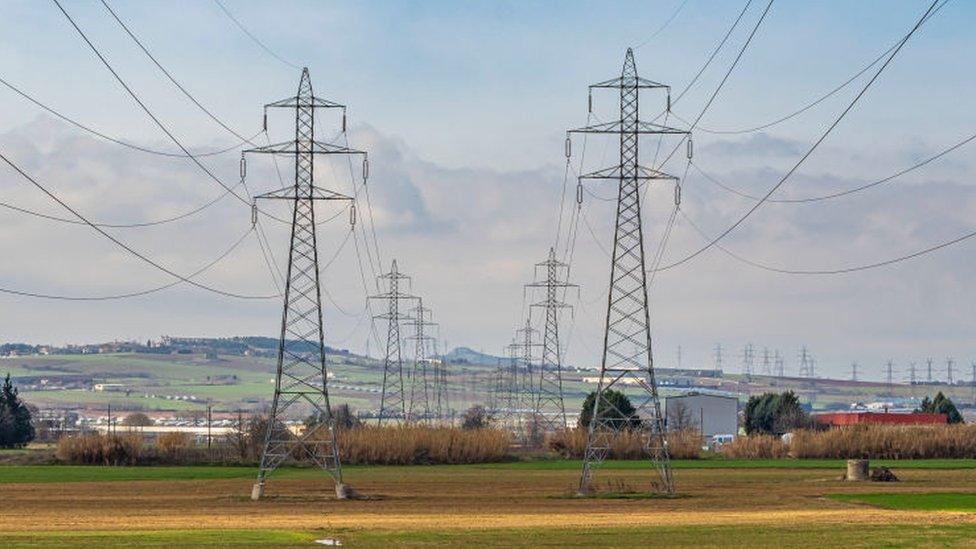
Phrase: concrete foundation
{"type": "Point", "coordinates": [257, 491]}
{"type": "Point", "coordinates": [857, 470]}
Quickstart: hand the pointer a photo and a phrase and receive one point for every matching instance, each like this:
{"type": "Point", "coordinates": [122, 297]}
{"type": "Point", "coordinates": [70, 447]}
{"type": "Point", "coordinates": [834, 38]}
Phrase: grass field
{"type": "Point", "coordinates": [721, 503]}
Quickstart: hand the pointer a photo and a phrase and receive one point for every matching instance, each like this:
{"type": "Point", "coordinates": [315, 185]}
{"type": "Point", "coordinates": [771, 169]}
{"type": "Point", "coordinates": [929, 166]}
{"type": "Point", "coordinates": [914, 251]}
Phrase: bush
{"type": "Point", "coordinates": [137, 419]}
{"type": "Point", "coordinates": [112, 449]}
{"type": "Point", "coordinates": [475, 417]}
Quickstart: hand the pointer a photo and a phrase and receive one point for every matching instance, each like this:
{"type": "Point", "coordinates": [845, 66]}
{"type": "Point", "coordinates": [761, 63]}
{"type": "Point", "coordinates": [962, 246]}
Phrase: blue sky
{"type": "Point", "coordinates": [464, 107]}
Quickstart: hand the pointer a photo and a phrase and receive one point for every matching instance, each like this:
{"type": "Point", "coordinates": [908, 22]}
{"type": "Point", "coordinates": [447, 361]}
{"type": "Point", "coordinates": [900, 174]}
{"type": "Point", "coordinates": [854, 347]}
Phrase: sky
{"type": "Point", "coordinates": [463, 108]}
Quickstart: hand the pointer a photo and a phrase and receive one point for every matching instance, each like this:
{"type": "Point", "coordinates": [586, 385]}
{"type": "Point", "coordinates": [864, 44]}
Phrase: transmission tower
{"type": "Point", "coordinates": [420, 382]}
{"type": "Point", "coordinates": [523, 348]}
{"type": "Point", "coordinates": [928, 374]}
{"type": "Point", "coordinates": [549, 406]}
{"type": "Point", "coordinates": [627, 353]}
{"type": "Point", "coordinates": [442, 407]}
{"type": "Point", "coordinates": [889, 376]}
{"type": "Point", "coordinates": [780, 365]}
{"type": "Point", "coordinates": [718, 357]}
{"type": "Point", "coordinates": [949, 365]}
{"type": "Point", "coordinates": [806, 363]}
{"type": "Point", "coordinates": [972, 382]}
{"type": "Point", "coordinates": [766, 362]}
{"type": "Point", "coordinates": [393, 399]}
{"type": "Point", "coordinates": [912, 373]}
{"type": "Point", "coordinates": [854, 371]}
{"type": "Point", "coordinates": [301, 378]}
{"type": "Point", "coordinates": [748, 360]}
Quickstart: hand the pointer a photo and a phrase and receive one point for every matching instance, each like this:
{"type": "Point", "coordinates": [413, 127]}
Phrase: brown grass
{"type": "Point", "coordinates": [754, 447]}
{"type": "Point", "coordinates": [626, 444]}
{"type": "Point", "coordinates": [124, 449]}
{"type": "Point", "coordinates": [416, 445]}
{"type": "Point", "coordinates": [887, 442]}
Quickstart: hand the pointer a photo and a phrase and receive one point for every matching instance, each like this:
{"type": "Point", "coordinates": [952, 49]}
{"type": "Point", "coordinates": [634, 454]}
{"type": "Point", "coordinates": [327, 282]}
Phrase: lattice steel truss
{"type": "Point", "coordinates": [627, 356]}
{"type": "Point", "coordinates": [301, 379]}
{"type": "Point", "coordinates": [393, 402]}
{"type": "Point", "coordinates": [420, 378]}
{"type": "Point", "coordinates": [550, 408]}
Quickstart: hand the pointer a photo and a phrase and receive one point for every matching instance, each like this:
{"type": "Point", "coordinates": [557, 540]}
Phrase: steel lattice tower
{"type": "Point", "coordinates": [442, 406]}
{"type": "Point", "coordinates": [420, 383]}
{"type": "Point", "coordinates": [526, 339]}
{"type": "Point", "coordinates": [627, 354]}
{"type": "Point", "coordinates": [549, 406]}
{"type": "Point", "coordinates": [393, 401]}
{"type": "Point", "coordinates": [301, 380]}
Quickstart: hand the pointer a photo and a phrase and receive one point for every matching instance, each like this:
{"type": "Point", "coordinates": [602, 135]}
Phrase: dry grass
{"type": "Point", "coordinates": [754, 447]}
{"type": "Point", "coordinates": [125, 449]}
{"type": "Point", "coordinates": [887, 442]}
{"type": "Point", "coordinates": [417, 445]}
{"type": "Point", "coordinates": [626, 444]}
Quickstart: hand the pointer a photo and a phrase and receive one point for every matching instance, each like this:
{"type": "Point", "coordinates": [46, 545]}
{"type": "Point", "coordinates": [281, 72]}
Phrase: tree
{"type": "Point", "coordinates": [680, 418]}
{"type": "Point", "coordinates": [774, 414]}
{"type": "Point", "coordinates": [16, 428]}
{"type": "Point", "coordinates": [475, 417]}
{"type": "Point", "coordinates": [941, 404]}
{"type": "Point", "coordinates": [137, 419]}
{"type": "Point", "coordinates": [615, 409]}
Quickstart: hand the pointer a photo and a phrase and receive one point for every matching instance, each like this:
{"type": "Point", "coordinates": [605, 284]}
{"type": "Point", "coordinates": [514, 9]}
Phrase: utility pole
{"type": "Point", "coordinates": [393, 398]}
{"type": "Point", "coordinates": [420, 386]}
{"type": "Point", "coordinates": [301, 378]}
{"type": "Point", "coordinates": [549, 406]}
{"type": "Point", "coordinates": [627, 352]}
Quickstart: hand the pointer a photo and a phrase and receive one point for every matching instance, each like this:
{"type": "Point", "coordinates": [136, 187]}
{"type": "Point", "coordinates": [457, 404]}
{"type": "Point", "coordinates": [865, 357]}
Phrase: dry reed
{"type": "Point", "coordinates": [626, 444]}
{"type": "Point", "coordinates": [113, 449]}
{"type": "Point", "coordinates": [417, 444]}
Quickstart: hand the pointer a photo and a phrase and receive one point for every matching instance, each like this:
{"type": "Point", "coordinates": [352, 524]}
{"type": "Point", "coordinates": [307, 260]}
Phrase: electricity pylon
{"type": "Point", "coordinates": [549, 406]}
{"type": "Point", "coordinates": [854, 371]}
{"type": "Point", "coordinates": [442, 404]}
{"type": "Point", "coordinates": [767, 369]}
{"type": "Point", "coordinates": [718, 357]}
{"type": "Point", "coordinates": [301, 378]}
{"type": "Point", "coordinates": [523, 349]}
{"type": "Point", "coordinates": [627, 354]}
{"type": "Point", "coordinates": [748, 360]}
{"type": "Point", "coordinates": [420, 379]}
{"type": "Point", "coordinates": [889, 376]}
{"type": "Point", "coordinates": [780, 365]}
{"type": "Point", "coordinates": [393, 399]}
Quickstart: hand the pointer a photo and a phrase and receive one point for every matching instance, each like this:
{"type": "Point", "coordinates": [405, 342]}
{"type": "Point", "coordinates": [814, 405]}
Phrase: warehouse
{"type": "Point", "coordinates": [710, 414]}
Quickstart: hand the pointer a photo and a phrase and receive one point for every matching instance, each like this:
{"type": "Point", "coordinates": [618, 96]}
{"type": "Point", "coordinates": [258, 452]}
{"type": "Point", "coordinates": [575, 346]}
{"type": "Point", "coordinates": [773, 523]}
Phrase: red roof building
{"type": "Point", "coordinates": [839, 419]}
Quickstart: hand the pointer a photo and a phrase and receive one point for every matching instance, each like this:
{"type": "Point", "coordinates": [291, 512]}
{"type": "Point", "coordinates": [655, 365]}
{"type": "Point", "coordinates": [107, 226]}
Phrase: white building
{"type": "Point", "coordinates": [711, 414]}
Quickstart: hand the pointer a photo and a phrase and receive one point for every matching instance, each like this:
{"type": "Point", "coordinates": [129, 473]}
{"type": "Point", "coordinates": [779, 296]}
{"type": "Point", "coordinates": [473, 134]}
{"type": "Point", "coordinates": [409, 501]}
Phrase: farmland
{"type": "Point", "coordinates": [720, 503]}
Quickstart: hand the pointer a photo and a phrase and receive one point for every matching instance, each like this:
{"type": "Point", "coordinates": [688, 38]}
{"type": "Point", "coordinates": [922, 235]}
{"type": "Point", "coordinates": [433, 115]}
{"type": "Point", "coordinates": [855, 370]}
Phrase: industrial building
{"type": "Point", "coordinates": [710, 414]}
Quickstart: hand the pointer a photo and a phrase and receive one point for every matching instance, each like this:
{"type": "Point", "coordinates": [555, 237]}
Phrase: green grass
{"type": "Point", "coordinates": [793, 535]}
{"type": "Point", "coordinates": [96, 473]}
{"type": "Point", "coordinates": [951, 501]}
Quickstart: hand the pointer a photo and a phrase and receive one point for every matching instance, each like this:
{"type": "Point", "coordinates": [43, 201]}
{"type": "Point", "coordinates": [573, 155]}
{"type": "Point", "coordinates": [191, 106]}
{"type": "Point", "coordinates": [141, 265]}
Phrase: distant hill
{"type": "Point", "coordinates": [470, 356]}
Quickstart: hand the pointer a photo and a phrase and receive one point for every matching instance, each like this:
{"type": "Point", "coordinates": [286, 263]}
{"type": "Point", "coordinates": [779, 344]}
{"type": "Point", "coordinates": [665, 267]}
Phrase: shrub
{"type": "Point", "coordinates": [137, 419]}
{"type": "Point", "coordinates": [475, 417]}
{"type": "Point", "coordinates": [112, 449]}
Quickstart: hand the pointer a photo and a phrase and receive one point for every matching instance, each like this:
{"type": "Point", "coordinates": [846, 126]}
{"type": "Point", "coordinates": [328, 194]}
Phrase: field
{"type": "Point", "coordinates": [720, 503]}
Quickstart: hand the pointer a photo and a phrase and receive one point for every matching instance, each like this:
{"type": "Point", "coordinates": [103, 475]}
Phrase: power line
{"type": "Point", "coordinates": [817, 101]}
{"type": "Point", "coordinates": [194, 274]}
{"type": "Point", "coordinates": [149, 113]}
{"type": "Point", "coordinates": [810, 151]}
{"type": "Point", "coordinates": [263, 46]}
{"type": "Point", "coordinates": [123, 245]}
{"type": "Point", "coordinates": [89, 129]}
{"type": "Point", "coordinates": [839, 194]}
{"type": "Point", "coordinates": [663, 26]}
